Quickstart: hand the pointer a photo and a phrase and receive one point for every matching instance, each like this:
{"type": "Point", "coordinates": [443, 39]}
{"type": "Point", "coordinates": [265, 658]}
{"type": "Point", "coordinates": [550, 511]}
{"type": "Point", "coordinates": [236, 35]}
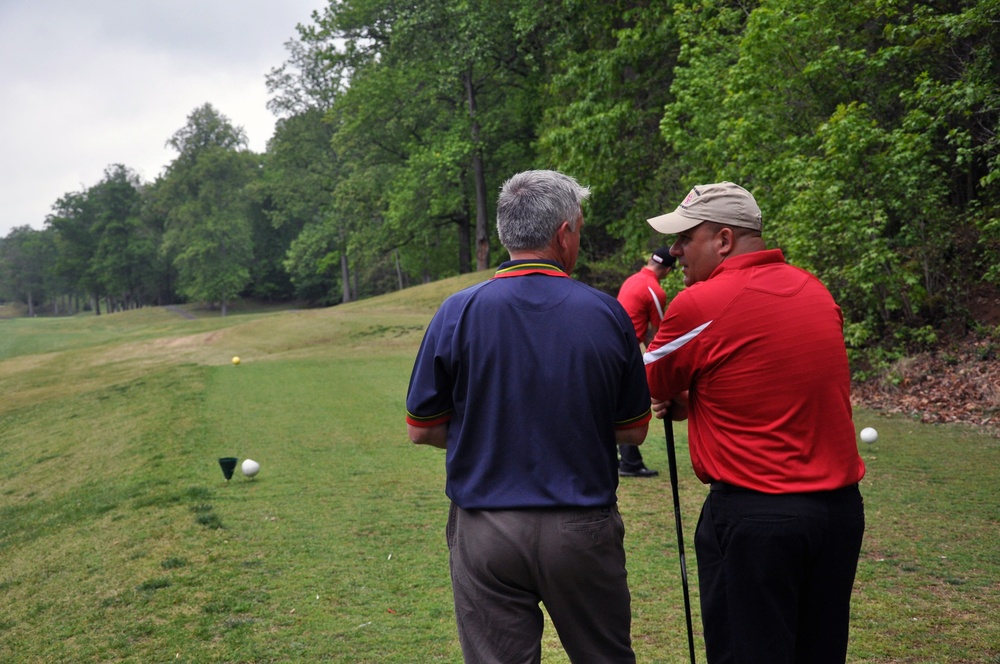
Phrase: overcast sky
{"type": "Point", "coordinates": [85, 84]}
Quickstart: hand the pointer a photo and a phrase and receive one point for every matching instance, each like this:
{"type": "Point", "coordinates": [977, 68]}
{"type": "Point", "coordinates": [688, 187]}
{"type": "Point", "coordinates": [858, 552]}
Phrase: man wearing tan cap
{"type": "Point", "coordinates": [752, 353]}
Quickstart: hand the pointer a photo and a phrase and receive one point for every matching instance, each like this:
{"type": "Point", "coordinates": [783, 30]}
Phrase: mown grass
{"type": "Point", "coordinates": [121, 541]}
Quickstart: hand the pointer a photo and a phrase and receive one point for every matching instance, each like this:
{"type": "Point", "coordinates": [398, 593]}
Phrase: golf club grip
{"type": "Point", "coordinates": [668, 431]}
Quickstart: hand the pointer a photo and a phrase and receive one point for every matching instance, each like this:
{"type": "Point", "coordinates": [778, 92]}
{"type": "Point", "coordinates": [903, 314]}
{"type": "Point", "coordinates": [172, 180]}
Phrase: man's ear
{"type": "Point", "coordinates": [562, 233]}
{"type": "Point", "coordinates": [727, 240]}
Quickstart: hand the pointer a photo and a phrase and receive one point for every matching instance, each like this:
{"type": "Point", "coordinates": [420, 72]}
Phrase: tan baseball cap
{"type": "Point", "coordinates": [723, 202]}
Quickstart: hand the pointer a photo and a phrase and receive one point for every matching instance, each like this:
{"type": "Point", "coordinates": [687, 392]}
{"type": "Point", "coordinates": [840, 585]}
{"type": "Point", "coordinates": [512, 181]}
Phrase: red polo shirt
{"type": "Point", "coordinates": [760, 347]}
{"type": "Point", "coordinates": [644, 300]}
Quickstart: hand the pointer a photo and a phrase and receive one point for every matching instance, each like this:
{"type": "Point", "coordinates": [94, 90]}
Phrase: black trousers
{"type": "Point", "coordinates": [631, 458]}
{"type": "Point", "coordinates": [775, 574]}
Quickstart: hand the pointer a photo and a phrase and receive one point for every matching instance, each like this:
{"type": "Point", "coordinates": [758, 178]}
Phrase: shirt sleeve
{"type": "Point", "coordinates": [633, 408]}
{"type": "Point", "coordinates": [673, 356]}
{"type": "Point", "coordinates": [429, 397]}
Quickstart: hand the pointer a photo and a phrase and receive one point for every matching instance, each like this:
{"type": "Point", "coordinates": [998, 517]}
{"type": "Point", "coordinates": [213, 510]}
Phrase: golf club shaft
{"type": "Point", "coordinates": [668, 429]}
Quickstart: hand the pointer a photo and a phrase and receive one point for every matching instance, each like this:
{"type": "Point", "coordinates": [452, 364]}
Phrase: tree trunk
{"type": "Point", "coordinates": [478, 172]}
{"type": "Point", "coordinates": [399, 270]}
{"type": "Point", "coordinates": [345, 278]}
{"type": "Point", "coordinates": [464, 244]}
{"type": "Point", "coordinates": [31, 305]}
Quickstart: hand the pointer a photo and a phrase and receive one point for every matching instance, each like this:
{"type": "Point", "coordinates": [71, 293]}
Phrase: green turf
{"type": "Point", "coordinates": [121, 541]}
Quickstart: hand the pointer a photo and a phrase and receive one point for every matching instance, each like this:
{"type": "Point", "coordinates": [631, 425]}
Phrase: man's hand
{"type": "Point", "coordinates": [677, 407]}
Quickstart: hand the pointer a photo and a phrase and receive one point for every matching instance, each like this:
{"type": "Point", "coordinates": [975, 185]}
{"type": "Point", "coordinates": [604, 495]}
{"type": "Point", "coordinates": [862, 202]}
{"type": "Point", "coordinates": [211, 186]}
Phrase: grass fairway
{"type": "Point", "coordinates": [120, 540]}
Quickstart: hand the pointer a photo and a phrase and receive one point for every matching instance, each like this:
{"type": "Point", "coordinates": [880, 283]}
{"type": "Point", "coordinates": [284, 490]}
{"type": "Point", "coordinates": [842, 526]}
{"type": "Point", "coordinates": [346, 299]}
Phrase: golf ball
{"type": "Point", "coordinates": [236, 360]}
{"type": "Point", "coordinates": [250, 467]}
{"type": "Point", "coordinates": [869, 435]}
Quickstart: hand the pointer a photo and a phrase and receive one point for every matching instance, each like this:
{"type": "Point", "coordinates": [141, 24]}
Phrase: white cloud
{"type": "Point", "coordinates": [92, 83]}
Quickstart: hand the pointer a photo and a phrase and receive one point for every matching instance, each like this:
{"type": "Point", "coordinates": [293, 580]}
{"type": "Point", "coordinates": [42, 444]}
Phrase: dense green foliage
{"type": "Point", "coordinates": [868, 132]}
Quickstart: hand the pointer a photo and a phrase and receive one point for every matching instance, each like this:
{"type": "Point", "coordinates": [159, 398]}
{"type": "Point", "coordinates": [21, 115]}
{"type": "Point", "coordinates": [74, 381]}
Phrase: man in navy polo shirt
{"type": "Point", "coordinates": [528, 381]}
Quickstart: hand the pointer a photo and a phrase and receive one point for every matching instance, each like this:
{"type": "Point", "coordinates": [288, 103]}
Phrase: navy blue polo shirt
{"type": "Point", "coordinates": [532, 371]}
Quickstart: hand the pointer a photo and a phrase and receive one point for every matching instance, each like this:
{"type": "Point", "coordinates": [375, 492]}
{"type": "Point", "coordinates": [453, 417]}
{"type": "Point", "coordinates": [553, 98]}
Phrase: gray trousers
{"type": "Point", "coordinates": [572, 560]}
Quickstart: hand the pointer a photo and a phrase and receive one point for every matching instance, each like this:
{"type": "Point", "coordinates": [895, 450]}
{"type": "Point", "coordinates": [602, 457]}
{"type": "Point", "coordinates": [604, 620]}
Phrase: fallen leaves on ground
{"type": "Point", "coordinates": [959, 383]}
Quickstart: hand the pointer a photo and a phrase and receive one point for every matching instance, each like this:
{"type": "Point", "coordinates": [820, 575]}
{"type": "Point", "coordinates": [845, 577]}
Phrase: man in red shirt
{"type": "Point", "coordinates": [644, 300]}
{"type": "Point", "coordinates": [752, 353]}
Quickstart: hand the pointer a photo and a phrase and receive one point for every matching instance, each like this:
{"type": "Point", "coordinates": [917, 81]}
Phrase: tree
{"type": "Point", "coordinates": [303, 169]}
{"type": "Point", "coordinates": [866, 129]}
{"type": "Point", "coordinates": [440, 102]}
{"type": "Point", "coordinates": [154, 213]}
{"type": "Point", "coordinates": [125, 252]}
{"type": "Point", "coordinates": [206, 129]}
{"type": "Point", "coordinates": [611, 78]}
{"type": "Point", "coordinates": [208, 228]}
{"type": "Point", "coordinates": [23, 257]}
{"type": "Point", "coordinates": [72, 223]}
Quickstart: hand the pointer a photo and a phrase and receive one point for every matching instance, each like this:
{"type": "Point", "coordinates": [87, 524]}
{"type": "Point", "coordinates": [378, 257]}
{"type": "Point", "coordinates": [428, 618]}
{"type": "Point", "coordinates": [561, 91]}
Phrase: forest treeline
{"type": "Point", "coordinates": [867, 130]}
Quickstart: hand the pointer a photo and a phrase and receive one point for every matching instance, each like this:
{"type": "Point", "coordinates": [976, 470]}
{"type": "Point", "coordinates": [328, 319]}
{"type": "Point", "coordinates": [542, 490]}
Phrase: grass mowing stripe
{"type": "Point", "coordinates": [370, 504]}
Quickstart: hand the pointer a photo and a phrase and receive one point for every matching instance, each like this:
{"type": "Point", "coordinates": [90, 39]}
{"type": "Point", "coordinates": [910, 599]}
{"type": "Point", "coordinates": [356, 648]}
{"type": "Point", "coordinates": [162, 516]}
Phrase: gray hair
{"type": "Point", "coordinates": [533, 204]}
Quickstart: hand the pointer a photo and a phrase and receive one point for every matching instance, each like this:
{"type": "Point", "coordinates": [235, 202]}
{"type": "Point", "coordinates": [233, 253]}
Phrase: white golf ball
{"type": "Point", "coordinates": [869, 435]}
{"type": "Point", "coordinates": [250, 467]}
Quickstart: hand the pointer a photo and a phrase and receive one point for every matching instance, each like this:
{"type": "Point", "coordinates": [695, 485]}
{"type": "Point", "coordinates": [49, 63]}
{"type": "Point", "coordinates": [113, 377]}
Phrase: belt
{"type": "Point", "coordinates": [726, 486]}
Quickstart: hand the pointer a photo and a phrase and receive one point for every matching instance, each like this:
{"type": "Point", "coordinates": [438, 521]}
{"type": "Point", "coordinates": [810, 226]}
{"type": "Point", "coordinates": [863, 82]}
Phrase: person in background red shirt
{"type": "Point", "coordinates": [643, 298]}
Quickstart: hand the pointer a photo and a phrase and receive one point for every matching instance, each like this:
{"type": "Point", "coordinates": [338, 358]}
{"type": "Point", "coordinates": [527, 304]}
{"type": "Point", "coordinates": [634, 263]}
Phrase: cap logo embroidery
{"type": "Point", "coordinates": [690, 197]}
